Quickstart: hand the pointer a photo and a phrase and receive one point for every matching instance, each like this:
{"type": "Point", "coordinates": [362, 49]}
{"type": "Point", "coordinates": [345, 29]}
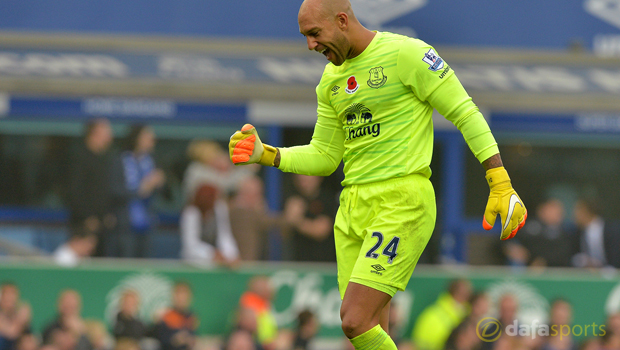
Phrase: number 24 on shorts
{"type": "Point", "coordinates": [389, 250]}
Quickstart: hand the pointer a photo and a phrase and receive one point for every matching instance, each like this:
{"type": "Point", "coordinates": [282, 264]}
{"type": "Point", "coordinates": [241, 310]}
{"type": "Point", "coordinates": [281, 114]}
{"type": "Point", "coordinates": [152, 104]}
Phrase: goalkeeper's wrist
{"type": "Point", "coordinates": [269, 155]}
{"type": "Point", "coordinates": [497, 176]}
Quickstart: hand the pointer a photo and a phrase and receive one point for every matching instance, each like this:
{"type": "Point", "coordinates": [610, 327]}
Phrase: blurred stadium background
{"type": "Point", "coordinates": [546, 75]}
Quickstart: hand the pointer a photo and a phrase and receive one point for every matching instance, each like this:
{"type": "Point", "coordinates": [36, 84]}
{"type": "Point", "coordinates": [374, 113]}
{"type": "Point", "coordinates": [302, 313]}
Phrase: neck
{"type": "Point", "coordinates": [360, 39]}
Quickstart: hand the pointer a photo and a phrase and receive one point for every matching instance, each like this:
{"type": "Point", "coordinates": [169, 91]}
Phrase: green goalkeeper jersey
{"type": "Point", "coordinates": [375, 114]}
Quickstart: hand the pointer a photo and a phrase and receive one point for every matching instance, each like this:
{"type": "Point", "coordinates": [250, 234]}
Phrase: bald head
{"type": "Point", "coordinates": [330, 27]}
{"type": "Point", "coordinates": [327, 9]}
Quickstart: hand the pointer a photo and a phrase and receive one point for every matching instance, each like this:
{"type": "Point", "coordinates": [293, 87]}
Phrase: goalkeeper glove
{"type": "Point", "coordinates": [503, 200]}
{"type": "Point", "coordinates": [245, 147]}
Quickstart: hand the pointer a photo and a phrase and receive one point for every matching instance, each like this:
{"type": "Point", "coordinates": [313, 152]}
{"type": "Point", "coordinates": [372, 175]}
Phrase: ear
{"type": "Point", "coordinates": [342, 19]}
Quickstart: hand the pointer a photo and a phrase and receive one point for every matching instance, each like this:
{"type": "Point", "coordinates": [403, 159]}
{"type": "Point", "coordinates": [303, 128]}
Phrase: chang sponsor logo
{"type": "Point", "coordinates": [353, 133]}
{"type": "Point", "coordinates": [357, 113]}
{"type": "Point", "coordinates": [358, 119]}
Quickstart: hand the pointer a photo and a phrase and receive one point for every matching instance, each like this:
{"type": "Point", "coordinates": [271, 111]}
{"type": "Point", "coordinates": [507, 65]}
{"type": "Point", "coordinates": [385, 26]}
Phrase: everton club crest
{"type": "Point", "coordinates": [377, 78]}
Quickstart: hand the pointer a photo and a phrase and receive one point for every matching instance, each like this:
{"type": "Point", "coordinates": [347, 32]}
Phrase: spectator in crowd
{"type": "Point", "coordinates": [246, 320]}
{"type": "Point", "coordinates": [461, 336]}
{"type": "Point", "coordinates": [251, 233]}
{"type": "Point", "coordinates": [611, 339]}
{"type": "Point", "coordinates": [176, 330]}
{"type": "Point", "coordinates": [210, 165]}
{"type": "Point", "coordinates": [26, 341]}
{"type": "Point", "coordinates": [205, 229]}
{"type": "Point", "coordinates": [464, 337]}
{"type": "Point", "coordinates": [65, 339]}
{"type": "Point", "coordinates": [480, 306]}
{"type": "Point", "coordinates": [545, 240]}
{"type": "Point", "coordinates": [258, 299]}
{"type": "Point", "coordinates": [14, 316]}
{"type": "Point", "coordinates": [599, 239]}
{"type": "Point", "coordinates": [508, 307]}
{"type": "Point", "coordinates": [591, 344]}
{"type": "Point", "coordinates": [561, 315]}
{"type": "Point", "coordinates": [240, 340]}
{"type": "Point", "coordinates": [141, 180]}
{"type": "Point", "coordinates": [436, 322]}
{"type": "Point", "coordinates": [98, 335]}
{"type": "Point", "coordinates": [609, 342]}
{"type": "Point", "coordinates": [91, 179]}
{"type": "Point", "coordinates": [128, 324]}
{"type": "Point", "coordinates": [68, 330]}
{"type": "Point", "coordinates": [81, 244]}
{"type": "Point", "coordinates": [126, 344]}
{"type": "Point", "coordinates": [307, 327]}
{"type": "Point", "coordinates": [313, 233]}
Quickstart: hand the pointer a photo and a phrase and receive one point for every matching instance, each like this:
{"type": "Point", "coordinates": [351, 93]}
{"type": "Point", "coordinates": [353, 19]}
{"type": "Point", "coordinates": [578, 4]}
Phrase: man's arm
{"type": "Point", "coordinates": [321, 157]}
{"type": "Point", "coordinates": [452, 101]}
{"type": "Point", "coordinates": [495, 161]}
{"type": "Point", "coordinates": [276, 162]}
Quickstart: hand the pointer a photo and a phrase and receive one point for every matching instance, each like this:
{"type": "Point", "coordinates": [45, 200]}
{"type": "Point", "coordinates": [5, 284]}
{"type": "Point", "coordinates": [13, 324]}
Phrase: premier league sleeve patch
{"type": "Point", "coordinates": [433, 60]}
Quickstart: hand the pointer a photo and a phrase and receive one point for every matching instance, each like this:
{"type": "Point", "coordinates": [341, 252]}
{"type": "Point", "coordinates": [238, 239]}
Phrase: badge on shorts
{"type": "Point", "coordinates": [377, 78]}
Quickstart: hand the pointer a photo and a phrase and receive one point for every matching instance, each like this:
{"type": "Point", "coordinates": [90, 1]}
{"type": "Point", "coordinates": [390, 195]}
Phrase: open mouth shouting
{"type": "Point", "coordinates": [326, 52]}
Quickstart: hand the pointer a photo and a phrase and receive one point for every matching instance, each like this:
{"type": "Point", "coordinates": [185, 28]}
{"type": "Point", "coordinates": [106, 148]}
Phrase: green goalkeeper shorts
{"type": "Point", "coordinates": [381, 230]}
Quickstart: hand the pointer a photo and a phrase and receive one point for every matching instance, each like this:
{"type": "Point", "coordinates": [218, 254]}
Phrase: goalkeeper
{"type": "Point", "coordinates": [375, 104]}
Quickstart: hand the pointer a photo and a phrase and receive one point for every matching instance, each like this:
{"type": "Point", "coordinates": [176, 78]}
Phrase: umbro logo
{"type": "Point", "coordinates": [335, 90]}
{"type": "Point", "coordinates": [377, 269]}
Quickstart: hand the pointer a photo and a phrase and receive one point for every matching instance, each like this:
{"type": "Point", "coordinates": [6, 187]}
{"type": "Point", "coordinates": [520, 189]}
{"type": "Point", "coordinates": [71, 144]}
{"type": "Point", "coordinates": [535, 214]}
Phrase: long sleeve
{"type": "Point", "coordinates": [324, 153]}
{"type": "Point", "coordinates": [452, 101]}
{"type": "Point", "coordinates": [440, 88]}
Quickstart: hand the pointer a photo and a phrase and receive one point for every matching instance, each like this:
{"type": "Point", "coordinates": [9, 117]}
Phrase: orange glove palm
{"type": "Point", "coordinates": [503, 200]}
{"type": "Point", "coordinates": [245, 147]}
